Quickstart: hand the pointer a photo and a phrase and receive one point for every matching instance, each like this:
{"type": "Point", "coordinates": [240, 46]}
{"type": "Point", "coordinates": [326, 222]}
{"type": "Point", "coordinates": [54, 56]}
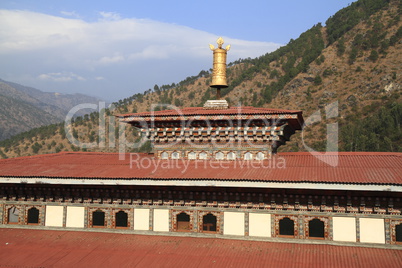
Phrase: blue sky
{"type": "Point", "coordinates": [114, 49]}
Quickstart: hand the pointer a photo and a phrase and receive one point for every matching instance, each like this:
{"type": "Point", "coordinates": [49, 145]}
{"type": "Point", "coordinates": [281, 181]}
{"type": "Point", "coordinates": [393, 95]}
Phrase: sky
{"type": "Point", "coordinates": [114, 49]}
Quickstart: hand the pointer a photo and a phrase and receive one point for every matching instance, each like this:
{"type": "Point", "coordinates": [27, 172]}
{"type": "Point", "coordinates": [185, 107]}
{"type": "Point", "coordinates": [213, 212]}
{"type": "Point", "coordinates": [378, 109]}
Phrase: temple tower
{"type": "Point", "coordinates": [216, 131]}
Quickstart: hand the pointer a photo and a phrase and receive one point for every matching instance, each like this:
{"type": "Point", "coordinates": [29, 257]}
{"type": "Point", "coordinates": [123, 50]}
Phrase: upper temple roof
{"type": "Point", "coordinates": [232, 113]}
{"type": "Point", "coordinates": [246, 110]}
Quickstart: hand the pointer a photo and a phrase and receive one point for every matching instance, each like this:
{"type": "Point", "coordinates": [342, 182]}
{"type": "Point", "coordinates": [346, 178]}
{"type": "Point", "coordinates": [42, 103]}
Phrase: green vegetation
{"type": "Point", "coordinates": [43, 133]}
{"type": "Point", "coordinates": [381, 131]}
{"type": "Point", "coordinates": [369, 41]}
{"type": "Point", "coordinates": [317, 80]}
{"type": "Point", "coordinates": [341, 47]}
{"type": "Point", "coordinates": [396, 37]}
{"type": "Point", "coordinates": [307, 47]}
{"type": "Point", "coordinates": [373, 56]}
{"type": "Point", "coordinates": [348, 17]}
{"type": "Point", "coordinates": [36, 147]}
{"type": "Point", "coordinates": [3, 155]}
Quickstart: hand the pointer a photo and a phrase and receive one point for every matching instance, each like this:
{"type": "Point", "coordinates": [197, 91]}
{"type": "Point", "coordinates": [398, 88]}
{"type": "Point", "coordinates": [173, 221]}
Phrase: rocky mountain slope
{"type": "Point", "coordinates": [23, 108]}
{"type": "Point", "coordinates": [346, 77]}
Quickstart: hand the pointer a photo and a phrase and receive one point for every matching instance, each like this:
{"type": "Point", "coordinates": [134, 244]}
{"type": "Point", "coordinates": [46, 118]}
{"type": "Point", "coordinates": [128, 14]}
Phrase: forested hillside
{"type": "Point", "coordinates": [352, 64]}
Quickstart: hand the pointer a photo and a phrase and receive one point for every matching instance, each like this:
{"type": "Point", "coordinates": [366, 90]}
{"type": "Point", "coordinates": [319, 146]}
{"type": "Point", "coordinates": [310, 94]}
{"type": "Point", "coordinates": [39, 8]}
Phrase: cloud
{"type": "Point", "coordinates": [110, 15]}
{"type": "Point", "coordinates": [61, 77]}
{"type": "Point", "coordinates": [30, 31]}
{"type": "Point", "coordinates": [72, 14]}
{"type": "Point", "coordinates": [133, 53]}
{"type": "Point", "coordinates": [111, 59]}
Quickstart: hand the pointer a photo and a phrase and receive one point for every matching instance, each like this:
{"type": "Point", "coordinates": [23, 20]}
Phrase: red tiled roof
{"type": "Point", "coordinates": [351, 168]}
{"type": "Point", "coordinates": [201, 111]}
{"type": "Point", "coordinates": [40, 248]}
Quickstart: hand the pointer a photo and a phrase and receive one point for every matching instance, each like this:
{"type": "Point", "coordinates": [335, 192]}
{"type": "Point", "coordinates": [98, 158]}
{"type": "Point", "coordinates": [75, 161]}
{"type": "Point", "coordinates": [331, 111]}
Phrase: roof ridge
{"type": "Point", "coordinates": [219, 111]}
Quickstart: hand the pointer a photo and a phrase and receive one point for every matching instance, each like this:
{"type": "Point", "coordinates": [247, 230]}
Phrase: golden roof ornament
{"type": "Point", "coordinates": [219, 66]}
{"type": "Point", "coordinates": [220, 42]}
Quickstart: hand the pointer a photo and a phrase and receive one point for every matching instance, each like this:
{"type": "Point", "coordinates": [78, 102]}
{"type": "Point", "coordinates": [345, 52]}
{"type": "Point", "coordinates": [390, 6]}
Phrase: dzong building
{"type": "Point", "coordinates": [215, 171]}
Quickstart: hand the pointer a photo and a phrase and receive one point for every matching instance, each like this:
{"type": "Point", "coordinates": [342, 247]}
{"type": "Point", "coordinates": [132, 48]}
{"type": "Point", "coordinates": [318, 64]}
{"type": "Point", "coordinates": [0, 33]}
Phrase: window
{"type": "Point", "coordinates": [33, 216]}
{"type": "Point", "coordinates": [209, 223]}
{"type": "Point", "coordinates": [231, 156]}
{"type": "Point", "coordinates": [13, 215]}
{"type": "Point", "coordinates": [398, 232]}
{"type": "Point", "coordinates": [316, 228]}
{"type": "Point", "coordinates": [203, 155]}
{"type": "Point", "coordinates": [175, 155]}
{"type": "Point", "coordinates": [248, 156]}
{"type": "Point", "coordinates": [121, 219]}
{"type": "Point", "coordinates": [164, 155]}
{"type": "Point", "coordinates": [286, 227]}
{"type": "Point", "coordinates": [192, 155]}
{"type": "Point", "coordinates": [260, 156]}
{"type": "Point", "coordinates": [98, 218]}
{"type": "Point", "coordinates": [183, 222]}
{"type": "Point", "coordinates": [219, 156]}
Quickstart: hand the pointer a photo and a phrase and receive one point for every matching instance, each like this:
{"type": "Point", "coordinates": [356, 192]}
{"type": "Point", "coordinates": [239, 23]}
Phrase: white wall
{"type": "Point", "coordinates": [141, 219]}
{"type": "Point", "coordinates": [344, 229]}
{"type": "Point", "coordinates": [259, 224]}
{"type": "Point", "coordinates": [372, 230]}
{"type": "Point", "coordinates": [75, 217]}
{"type": "Point", "coordinates": [54, 216]}
{"type": "Point", "coordinates": [233, 223]}
{"type": "Point", "coordinates": [161, 220]}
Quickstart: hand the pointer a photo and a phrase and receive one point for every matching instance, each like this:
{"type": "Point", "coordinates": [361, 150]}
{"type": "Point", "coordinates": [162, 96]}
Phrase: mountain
{"type": "Point", "coordinates": [23, 108]}
{"type": "Point", "coordinates": [346, 77]}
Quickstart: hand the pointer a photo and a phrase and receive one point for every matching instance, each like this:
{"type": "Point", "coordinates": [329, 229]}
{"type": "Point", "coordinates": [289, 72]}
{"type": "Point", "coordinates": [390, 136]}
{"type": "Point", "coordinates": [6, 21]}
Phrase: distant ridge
{"type": "Point", "coordinates": [23, 108]}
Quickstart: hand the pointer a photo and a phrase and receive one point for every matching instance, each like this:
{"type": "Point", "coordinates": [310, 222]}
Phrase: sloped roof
{"type": "Point", "coordinates": [293, 117]}
{"type": "Point", "coordinates": [339, 168]}
{"type": "Point", "coordinates": [201, 111]}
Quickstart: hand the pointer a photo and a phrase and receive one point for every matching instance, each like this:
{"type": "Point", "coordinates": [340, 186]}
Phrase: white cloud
{"type": "Point", "coordinates": [30, 31]}
{"type": "Point", "coordinates": [72, 14]}
{"type": "Point", "coordinates": [135, 53]}
{"type": "Point", "coordinates": [61, 77]}
{"type": "Point", "coordinates": [112, 59]}
{"type": "Point", "coordinates": [110, 15]}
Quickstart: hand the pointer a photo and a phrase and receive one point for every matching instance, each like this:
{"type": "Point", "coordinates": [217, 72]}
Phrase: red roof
{"type": "Point", "coordinates": [343, 167]}
{"type": "Point", "coordinates": [246, 110]}
{"type": "Point", "coordinates": [43, 248]}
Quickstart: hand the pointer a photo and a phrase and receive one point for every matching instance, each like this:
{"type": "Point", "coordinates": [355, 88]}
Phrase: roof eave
{"type": "Point", "coordinates": [205, 183]}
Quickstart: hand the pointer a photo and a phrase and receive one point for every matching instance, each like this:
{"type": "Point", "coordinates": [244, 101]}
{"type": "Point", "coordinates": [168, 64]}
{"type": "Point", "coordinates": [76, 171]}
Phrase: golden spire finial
{"type": "Point", "coordinates": [220, 42]}
{"type": "Point", "coordinates": [219, 66]}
